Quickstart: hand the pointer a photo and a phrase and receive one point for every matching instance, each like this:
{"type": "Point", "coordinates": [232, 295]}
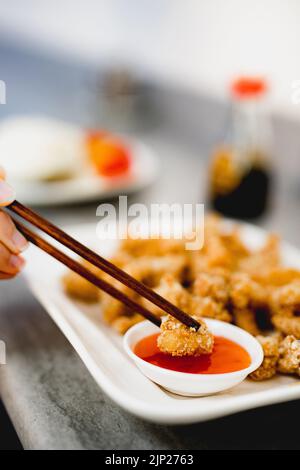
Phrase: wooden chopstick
{"type": "Point", "coordinates": [85, 273]}
{"type": "Point", "coordinates": [101, 263]}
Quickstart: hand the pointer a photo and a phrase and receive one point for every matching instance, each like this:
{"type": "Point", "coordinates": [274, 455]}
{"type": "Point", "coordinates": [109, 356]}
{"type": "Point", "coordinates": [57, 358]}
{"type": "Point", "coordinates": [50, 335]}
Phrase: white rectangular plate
{"type": "Point", "coordinates": [100, 348]}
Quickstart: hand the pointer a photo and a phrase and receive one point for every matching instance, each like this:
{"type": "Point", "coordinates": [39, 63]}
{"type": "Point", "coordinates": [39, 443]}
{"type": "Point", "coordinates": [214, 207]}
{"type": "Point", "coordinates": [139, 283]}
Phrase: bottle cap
{"type": "Point", "coordinates": [248, 87]}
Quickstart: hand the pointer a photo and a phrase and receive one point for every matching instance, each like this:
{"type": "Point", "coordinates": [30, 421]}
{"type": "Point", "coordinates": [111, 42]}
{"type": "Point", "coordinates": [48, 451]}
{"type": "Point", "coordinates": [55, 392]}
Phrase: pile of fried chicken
{"type": "Point", "coordinates": [224, 280]}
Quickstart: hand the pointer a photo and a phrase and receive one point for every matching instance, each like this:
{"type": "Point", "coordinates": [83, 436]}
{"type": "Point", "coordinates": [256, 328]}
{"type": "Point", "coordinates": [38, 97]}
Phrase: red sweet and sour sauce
{"type": "Point", "coordinates": [227, 356]}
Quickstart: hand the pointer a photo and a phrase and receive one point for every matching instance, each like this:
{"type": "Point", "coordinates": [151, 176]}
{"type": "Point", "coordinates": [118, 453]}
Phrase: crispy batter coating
{"type": "Point", "coordinates": [270, 345]}
{"type": "Point", "coordinates": [263, 260]}
{"type": "Point", "coordinates": [173, 291]}
{"type": "Point", "coordinates": [79, 288]}
{"type": "Point", "coordinates": [113, 308]}
{"type": "Point", "coordinates": [196, 305]}
{"type": "Point", "coordinates": [276, 277]}
{"type": "Point", "coordinates": [150, 270]}
{"type": "Point", "coordinates": [207, 307]}
{"type": "Point", "coordinates": [245, 319]}
{"type": "Point", "coordinates": [214, 284]}
{"type": "Point", "coordinates": [123, 323]}
{"type": "Point", "coordinates": [286, 297]}
{"type": "Point", "coordinates": [287, 323]}
{"type": "Point", "coordinates": [179, 340]}
{"type": "Point", "coordinates": [289, 360]}
{"type": "Point", "coordinates": [152, 247]}
{"type": "Point", "coordinates": [244, 292]}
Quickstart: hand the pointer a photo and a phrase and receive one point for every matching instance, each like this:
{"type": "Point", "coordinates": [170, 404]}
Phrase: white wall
{"type": "Point", "coordinates": [198, 43]}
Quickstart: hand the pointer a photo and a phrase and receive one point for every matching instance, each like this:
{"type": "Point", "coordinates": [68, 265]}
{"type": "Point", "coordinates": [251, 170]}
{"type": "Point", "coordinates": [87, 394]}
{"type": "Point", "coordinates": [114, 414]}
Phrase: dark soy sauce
{"type": "Point", "coordinates": [249, 199]}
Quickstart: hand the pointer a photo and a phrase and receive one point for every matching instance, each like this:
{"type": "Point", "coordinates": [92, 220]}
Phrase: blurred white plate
{"type": "Point", "coordinates": [90, 187]}
{"type": "Point", "coordinates": [100, 348]}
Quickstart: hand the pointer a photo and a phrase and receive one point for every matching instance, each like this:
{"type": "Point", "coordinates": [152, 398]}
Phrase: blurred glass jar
{"type": "Point", "coordinates": [240, 168]}
{"type": "Point", "coordinates": [117, 99]}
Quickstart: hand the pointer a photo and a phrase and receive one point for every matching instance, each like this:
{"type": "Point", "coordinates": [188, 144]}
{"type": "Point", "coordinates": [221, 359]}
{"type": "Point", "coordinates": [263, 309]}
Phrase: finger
{"type": "Point", "coordinates": [10, 263]}
{"type": "Point", "coordinates": [7, 194]}
{"type": "Point", "coordinates": [4, 276]}
{"type": "Point", "coordinates": [10, 237]}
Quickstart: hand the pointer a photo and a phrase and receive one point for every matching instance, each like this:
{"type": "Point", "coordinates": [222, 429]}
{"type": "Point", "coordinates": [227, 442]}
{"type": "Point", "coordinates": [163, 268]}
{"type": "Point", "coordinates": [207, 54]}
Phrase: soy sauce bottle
{"type": "Point", "coordinates": [240, 168]}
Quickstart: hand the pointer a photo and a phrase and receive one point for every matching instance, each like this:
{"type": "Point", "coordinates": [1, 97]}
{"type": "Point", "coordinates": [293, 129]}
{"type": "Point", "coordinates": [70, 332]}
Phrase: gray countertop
{"type": "Point", "coordinates": [52, 400]}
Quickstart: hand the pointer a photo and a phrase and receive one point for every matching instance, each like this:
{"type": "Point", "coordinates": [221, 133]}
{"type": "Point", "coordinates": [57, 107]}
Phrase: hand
{"type": "Point", "coordinates": [12, 242]}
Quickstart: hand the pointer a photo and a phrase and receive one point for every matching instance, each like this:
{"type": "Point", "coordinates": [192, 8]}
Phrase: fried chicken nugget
{"type": "Point", "coordinates": [179, 340]}
{"type": "Point", "coordinates": [286, 297]}
{"type": "Point", "coordinates": [285, 304]}
{"type": "Point", "coordinates": [235, 244]}
{"type": "Point", "coordinates": [217, 254]}
{"type": "Point", "coordinates": [261, 261]}
{"type": "Point", "coordinates": [150, 270]}
{"type": "Point", "coordinates": [244, 292]}
{"type": "Point", "coordinates": [224, 248]}
{"type": "Point", "coordinates": [214, 284]}
{"type": "Point", "coordinates": [245, 319]}
{"type": "Point", "coordinates": [79, 288]}
{"type": "Point", "coordinates": [267, 370]}
{"type": "Point", "coordinates": [210, 294]}
{"type": "Point", "coordinates": [208, 307]}
{"type": "Point", "coordinates": [152, 247]}
{"type": "Point", "coordinates": [289, 360]}
{"type": "Point", "coordinates": [111, 307]}
{"type": "Point", "coordinates": [277, 277]}
{"type": "Point", "coordinates": [169, 288]}
{"type": "Point", "coordinates": [287, 323]}
{"type": "Point", "coordinates": [123, 323]}
{"type": "Point", "coordinates": [175, 293]}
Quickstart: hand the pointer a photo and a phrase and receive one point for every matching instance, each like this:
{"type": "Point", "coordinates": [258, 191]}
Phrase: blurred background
{"type": "Point", "coordinates": [155, 79]}
{"type": "Point", "coordinates": [198, 44]}
{"type": "Point", "coordinates": [109, 97]}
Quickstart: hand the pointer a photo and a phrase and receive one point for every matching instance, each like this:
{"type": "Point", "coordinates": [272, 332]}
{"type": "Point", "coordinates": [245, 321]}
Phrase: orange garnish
{"type": "Point", "coordinates": [108, 155]}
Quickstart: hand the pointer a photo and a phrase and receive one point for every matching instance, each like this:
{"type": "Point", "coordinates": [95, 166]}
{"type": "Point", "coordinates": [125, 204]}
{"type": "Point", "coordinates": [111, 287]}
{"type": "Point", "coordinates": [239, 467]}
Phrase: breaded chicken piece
{"type": "Point", "coordinates": [123, 323]}
{"type": "Point", "coordinates": [113, 308]}
{"type": "Point", "coordinates": [150, 270]}
{"type": "Point", "coordinates": [214, 284]}
{"type": "Point", "coordinates": [276, 277]}
{"type": "Point", "coordinates": [289, 360]}
{"type": "Point", "coordinates": [179, 340]}
{"type": "Point", "coordinates": [244, 292]}
{"type": "Point", "coordinates": [261, 261]}
{"type": "Point", "coordinates": [152, 247]}
{"type": "Point", "coordinates": [270, 345]}
{"type": "Point", "coordinates": [285, 306]}
{"type": "Point", "coordinates": [79, 288]}
{"type": "Point", "coordinates": [287, 323]}
{"type": "Point", "coordinates": [169, 288]}
{"type": "Point", "coordinates": [175, 293]}
{"type": "Point", "coordinates": [286, 297]}
{"type": "Point", "coordinates": [245, 319]}
{"type": "Point", "coordinates": [207, 307]}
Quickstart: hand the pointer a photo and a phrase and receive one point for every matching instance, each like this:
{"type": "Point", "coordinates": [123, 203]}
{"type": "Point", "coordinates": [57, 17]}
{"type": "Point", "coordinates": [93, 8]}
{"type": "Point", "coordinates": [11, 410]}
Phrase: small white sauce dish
{"type": "Point", "coordinates": [182, 383]}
